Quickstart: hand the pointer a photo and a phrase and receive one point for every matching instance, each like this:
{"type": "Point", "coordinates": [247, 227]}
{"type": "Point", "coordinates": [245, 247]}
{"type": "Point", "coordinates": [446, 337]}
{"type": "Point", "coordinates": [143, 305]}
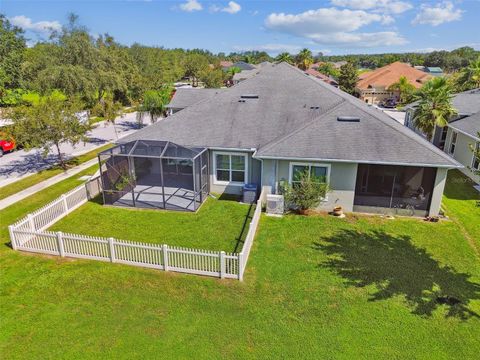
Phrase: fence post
{"type": "Point", "coordinates": [112, 249]}
{"type": "Point", "coordinates": [165, 257]}
{"type": "Point", "coordinates": [12, 237]}
{"type": "Point", "coordinates": [240, 266]}
{"type": "Point", "coordinates": [31, 222]}
{"type": "Point", "coordinates": [222, 265]}
{"type": "Point", "coordinates": [65, 204]}
{"type": "Point", "coordinates": [60, 243]}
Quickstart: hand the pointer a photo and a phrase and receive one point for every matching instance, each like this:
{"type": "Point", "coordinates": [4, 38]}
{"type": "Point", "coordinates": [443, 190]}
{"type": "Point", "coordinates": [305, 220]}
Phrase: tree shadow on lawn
{"type": "Point", "coordinates": [397, 267]}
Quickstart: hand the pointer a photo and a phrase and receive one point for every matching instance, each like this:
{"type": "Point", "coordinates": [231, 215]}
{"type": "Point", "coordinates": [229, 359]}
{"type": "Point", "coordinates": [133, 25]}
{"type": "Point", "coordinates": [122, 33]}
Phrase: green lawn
{"type": "Point", "coordinates": [462, 203]}
{"type": "Point", "coordinates": [31, 180]}
{"type": "Point", "coordinates": [220, 224]}
{"type": "Point", "coordinates": [315, 287]}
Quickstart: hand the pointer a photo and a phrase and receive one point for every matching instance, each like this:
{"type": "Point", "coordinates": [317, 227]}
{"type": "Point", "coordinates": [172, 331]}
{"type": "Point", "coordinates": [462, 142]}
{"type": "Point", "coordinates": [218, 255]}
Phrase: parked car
{"type": "Point", "coordinates": [389, 103]}
{"type": "Point", "coordinates": [7, 143]}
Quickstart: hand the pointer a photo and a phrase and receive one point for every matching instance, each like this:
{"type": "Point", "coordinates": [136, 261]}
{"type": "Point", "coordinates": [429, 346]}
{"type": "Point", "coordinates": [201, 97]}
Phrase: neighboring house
{"type": "Point", "coordinates": [244, 75]}
{"type": "Point", "coordinates": [374, 86]}
{"type": "Point", "coordinates": [327, 79]}
{"type": "Point", "coordinates": [461, 132]}
{"type": "Point", "coordinates": [185, 97]}
{"type": "Point", "coordinates": [225, 64]}
{"type": "Point", "coordinates": [242, 65]}
{"type": "Point", "coordinates": [268, 129]}
{"type": "Point", "coordinates": [431, 70]}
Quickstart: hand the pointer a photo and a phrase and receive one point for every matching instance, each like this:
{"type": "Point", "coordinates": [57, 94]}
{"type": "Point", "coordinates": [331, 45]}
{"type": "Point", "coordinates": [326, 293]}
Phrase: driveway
{"type": "Point", "coordinates": [21, 163]}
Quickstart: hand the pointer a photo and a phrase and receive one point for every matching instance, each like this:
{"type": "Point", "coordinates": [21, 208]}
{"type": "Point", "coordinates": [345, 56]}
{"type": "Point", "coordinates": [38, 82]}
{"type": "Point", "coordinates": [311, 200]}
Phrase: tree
{"type": "Point", "coordinates": [329, 70]}
{"type": "Point", "coordinates": [12, 47]}
{"type": "Point", "coordinates": [213, 78]}
{"type": "Point", "coordinates": [47, 124]}
{"type": "Point", "coordinates": [195, 65]}
{"type": "Point", "coordinates": [284, 57]}
{"type": "Point", "coordinates": [470, 76]}
{"type": "Point", "coordinates": [404, 88]}
{"type": "Point", "coordinates": [348, 78]}
{"type": "Point", "coordinates": [476, 155]}
{"type": "Point", "coordinates": [304, 59]}
{"type": "Point", "coordinates": [307, 192]}
{"type": "Point", "coordinates": [153, 104]}
{"type": "Point", "coordinates": [434, 106]}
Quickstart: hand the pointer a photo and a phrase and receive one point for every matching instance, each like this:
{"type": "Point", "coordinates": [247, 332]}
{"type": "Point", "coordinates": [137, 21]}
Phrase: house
{"type": "Point", "coordinates": [267, 130]}
{"type": "Point", "coordinates": [433, 70]}
{"type": "Point", "coordinates": [374, 86]}
{"type": "Point", "coordinates": [244, 75]}
{"type": "Point", "coordinates": [225, 64]}
{"type": "Point", "coordinates": [185, 97]}
{"type": "Point", "coordinates": [242, 65]}
{"type": "Point", "coordinates": [461, 133]}
{"type": "Point", "coordinates": [327, 79]}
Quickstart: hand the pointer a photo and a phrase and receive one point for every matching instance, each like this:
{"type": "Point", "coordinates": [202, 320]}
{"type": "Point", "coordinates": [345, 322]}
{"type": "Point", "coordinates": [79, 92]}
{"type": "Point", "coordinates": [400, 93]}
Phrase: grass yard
{"type": "Point", "coordinates": [220, 224]}
{"type": "Point", "coordinates": [462, 203]}
{"type": "Point", "coordinates": [31, 180]}
{"type": "Point", "coordinates": [315, 287]}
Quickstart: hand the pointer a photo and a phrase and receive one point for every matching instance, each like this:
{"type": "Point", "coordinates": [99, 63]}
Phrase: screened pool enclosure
{"type": "Point", "coordinates": [154, 175]}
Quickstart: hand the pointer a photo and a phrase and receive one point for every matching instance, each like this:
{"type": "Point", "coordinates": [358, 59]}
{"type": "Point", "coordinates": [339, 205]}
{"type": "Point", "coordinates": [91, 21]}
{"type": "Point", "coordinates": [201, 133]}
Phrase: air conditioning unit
{"type": "Point", "coordinates": [275, 204]}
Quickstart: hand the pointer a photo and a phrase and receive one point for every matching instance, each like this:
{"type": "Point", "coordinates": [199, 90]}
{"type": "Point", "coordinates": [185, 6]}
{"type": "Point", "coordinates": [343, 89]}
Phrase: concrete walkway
{"type": "Point", "coordinates": [12, 199]}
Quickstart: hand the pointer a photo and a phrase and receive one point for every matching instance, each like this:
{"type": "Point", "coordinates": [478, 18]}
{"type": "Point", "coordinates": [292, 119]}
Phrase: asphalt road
{"type": "Point", "coordinates": [21, 163]}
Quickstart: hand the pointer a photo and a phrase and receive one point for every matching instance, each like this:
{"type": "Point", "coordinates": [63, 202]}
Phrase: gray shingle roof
{"type": "Point", "coordinates": [186, 97]}
{"type": "Point", "coordinates": [469, 125]}
{"type": "Point", "coordinates": [295, 115]}
{"type": "Point", "coordinates": [467, 102]}
{"type": "Point", "coordinates": [245, 74]}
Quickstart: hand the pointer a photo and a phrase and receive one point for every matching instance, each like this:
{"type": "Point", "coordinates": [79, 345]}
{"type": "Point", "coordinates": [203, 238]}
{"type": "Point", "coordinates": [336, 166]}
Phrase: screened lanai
{"type": "Point", "coordinates": [154, 175]}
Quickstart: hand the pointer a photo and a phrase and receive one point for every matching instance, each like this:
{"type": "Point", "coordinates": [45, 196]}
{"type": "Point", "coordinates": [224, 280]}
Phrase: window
{"type": "Point", "coordinates": [453, 142]}
{"type": "Point", "coordinates": [476, 160]}
{"type": "Point", "coordinates": [230, 168]}
{"type": "Point", "coordinates": [321, 171]}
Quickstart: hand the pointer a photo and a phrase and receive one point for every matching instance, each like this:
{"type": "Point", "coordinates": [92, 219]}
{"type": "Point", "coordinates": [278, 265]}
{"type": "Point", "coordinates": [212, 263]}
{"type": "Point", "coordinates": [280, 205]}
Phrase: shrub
{"type": "Point", "coordinates": [307, 193]}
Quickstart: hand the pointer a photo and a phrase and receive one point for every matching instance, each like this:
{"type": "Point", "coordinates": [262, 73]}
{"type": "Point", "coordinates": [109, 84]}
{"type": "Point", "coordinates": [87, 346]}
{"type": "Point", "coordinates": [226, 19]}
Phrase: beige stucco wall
{"type": "Point", "coordinates": [463, 154]}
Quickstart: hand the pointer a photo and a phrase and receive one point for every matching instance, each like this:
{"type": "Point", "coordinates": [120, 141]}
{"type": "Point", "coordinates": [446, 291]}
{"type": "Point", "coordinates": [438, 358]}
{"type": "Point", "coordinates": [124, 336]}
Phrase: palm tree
{"type": "Point", "coordinates": [434, 106]}
{"type": "Point", "coordinates": [248, 59]}
{"type": "Point", "coordinates": [470, 77]}
{"type": "Point", "coordinates": [153, 104]}
{"type": "Point", "coordinates": [284, 57]}
{"type": "Point", "coordinates": [404, 88]}
{"type": "Point", "coordinates": [304, 59]}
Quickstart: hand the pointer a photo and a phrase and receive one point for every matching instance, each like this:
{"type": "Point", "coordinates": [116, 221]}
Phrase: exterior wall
{"type": "Point", "coordinates": [436, 201]}
{"type": "Point", "coordinates": [463, 154]}
{"type": "Point", "coordinates": [375, 96]}
{"type": "Point", "coordinates": [254, 174]}
{"type": "Point", "coordinates": [342, 181]}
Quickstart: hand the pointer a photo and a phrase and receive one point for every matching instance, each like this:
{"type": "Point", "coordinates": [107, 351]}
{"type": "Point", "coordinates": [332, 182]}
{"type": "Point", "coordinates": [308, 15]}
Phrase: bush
{"type": "Point", "coordinates": [307, 193]}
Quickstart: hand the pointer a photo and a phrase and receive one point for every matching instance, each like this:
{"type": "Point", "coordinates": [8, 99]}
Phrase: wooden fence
{"type": "Point", "coordinates": [29, 235]}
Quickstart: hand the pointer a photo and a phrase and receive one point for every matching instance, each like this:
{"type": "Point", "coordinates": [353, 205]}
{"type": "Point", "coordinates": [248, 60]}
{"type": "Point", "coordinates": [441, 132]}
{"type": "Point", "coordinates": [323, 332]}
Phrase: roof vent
{"type": "Point", "coordinates": [249, 96]}
{"type": "Point", "coordinates": [348, 119]}
{"type": "Point", "coordinates": [314, 107]}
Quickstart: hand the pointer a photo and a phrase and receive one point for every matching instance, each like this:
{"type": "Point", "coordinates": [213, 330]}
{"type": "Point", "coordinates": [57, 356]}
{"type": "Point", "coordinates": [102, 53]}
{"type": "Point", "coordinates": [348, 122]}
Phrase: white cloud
{"type": "Point", "coordinates": [191, 5]}
{"type": "Point", "coordinates": [438, 14]}
{"type": "Point", "coordinates": [38, 27]}
{"type": "Point", "coordinates": [231, 8]}
{"type": "Point", "coordinates": [335, 27]}
{"type": "Point", "coordinates": [389, 6]}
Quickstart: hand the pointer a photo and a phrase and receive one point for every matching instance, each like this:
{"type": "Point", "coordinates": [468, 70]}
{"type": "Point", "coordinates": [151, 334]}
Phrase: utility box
{"type": "Point", "coordinates": [275, 204]}
{"type": "Point", "coordinates": [249, 193]}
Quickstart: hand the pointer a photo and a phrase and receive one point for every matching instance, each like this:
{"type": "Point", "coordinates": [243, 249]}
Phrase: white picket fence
{"type": "Point", "coordinates": [29, 235]}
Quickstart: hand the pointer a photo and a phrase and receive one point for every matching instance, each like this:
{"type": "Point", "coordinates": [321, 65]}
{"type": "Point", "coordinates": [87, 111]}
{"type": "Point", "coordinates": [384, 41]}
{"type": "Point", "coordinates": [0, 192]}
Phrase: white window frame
{"type": "Point", "coordinates": [233, 183]}
{"type": "Point", "coordinates": [451, 142]}
{"type": "Point", "coordinates": [310, 164]}
{"type": "Point", "coordinates": [477, 148]}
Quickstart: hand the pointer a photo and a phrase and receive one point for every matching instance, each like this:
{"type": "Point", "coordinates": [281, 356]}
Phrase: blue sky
{"type": "Point", "coordinates": [333, 26]}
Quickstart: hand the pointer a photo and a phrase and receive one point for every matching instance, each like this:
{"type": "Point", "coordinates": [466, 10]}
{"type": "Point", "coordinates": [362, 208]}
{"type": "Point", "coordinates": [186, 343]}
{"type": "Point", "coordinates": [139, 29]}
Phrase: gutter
{"type": "Point", "coordinates": [457, 166]}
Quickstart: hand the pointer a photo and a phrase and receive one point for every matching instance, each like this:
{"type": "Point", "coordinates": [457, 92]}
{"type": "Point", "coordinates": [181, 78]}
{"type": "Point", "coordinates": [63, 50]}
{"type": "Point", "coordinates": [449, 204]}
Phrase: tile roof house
{"type": "Point", "coordinates": [373, 86]}
{"type": "Point", "coordinates": [462, 131]}
{"type": "Point", "coordinates": [281, 122]}
{"type": "Point", "coordinates": [320, 76]}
